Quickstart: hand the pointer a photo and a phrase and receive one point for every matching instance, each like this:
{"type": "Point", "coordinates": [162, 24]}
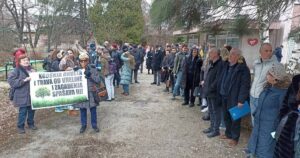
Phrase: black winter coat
{"type": "Point", "coordinates": [210, 89]}
{"type": "Point", "coordinates": [138, 57]}
{"type": "Point", "coordinates": [240, 83]}
{"type": "Point", "coordinates": [149, 59]}
{"type": "Point", "coordinates": [289, 102]}
{"type": "Point", "coordinates": [157, 60]}
{"type": "Point", "coordinates": [193, 69]}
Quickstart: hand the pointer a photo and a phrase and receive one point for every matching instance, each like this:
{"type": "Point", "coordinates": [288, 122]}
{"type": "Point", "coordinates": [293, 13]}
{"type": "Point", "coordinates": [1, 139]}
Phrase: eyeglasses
{"type": "Point", "coordinates": [83, 61]}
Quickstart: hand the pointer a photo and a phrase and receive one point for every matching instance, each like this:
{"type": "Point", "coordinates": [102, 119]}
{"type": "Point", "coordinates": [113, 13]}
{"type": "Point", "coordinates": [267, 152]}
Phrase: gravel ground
{"type": "Point", "coordinates": [145, 124]}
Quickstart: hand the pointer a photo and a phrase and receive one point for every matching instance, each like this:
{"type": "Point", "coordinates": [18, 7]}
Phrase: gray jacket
{"type": "Point", "coordinates": [178, 62]}
{"type": "Point", "coordinates": [261, 69]}
{"type": "Point", "coordinates": [92, 81]}
{"type": "Point", "coordinates": [22, 89]}
{"type": "Point", "coordinates": [168, 61]}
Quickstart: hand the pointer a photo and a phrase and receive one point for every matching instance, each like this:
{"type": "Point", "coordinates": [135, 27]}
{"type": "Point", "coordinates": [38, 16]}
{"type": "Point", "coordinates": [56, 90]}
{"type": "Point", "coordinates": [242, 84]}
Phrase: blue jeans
{"type": "Point", "coordinates": [177, 83]}
{"type": "Point", "coordinates": [126, 88]}
{"type": "Point", "coordinates": [23, 113]}
{"type": "Point", "coordinates": [253, 105]}
{"type": "Point", "coordinates": [83, 116]}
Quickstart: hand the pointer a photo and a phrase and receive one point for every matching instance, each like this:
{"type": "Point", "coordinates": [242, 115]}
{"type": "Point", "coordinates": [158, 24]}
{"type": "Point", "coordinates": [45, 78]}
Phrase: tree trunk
{"type": "Point", "coordinates": [83, 16]}
{"type": "Point", "coordinates": [263, 23]}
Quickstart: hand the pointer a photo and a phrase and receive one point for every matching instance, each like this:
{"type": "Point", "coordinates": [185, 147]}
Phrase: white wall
{"type": "Point", "coordinates": [250, 52]}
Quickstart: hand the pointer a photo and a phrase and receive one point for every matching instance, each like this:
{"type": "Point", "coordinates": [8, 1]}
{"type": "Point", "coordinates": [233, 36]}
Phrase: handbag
{"type": "Point", "coordinates": [95, 94]}
{"type": "Point", "coordinates": [102, 90]}
{"type": "Point", "coordinates": [197, 92]}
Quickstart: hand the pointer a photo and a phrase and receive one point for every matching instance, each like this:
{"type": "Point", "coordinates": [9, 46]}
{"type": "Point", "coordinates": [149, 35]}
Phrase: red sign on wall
{"type": "Point", "coordinates": [252, 41]}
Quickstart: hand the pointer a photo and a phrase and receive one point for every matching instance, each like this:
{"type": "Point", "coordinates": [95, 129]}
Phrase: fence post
{"type": "Point", "coordinates": [6, 66]}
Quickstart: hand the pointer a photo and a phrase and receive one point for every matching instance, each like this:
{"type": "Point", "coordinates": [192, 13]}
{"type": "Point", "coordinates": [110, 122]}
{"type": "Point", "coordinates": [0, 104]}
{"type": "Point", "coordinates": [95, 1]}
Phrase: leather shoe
{"type": "Point", "coordinates": [33, 127]}
{"type": "Point", "coordinates": [224, 137]}
{"type": "Point", "coordinates": [206, 131]}
{"type": "Point", "coordinates": [206, 118]}
{"type": "Point", "coordinates": [232, 143]}
{"type": "Point", "coordinates": [185, 103]}
{"type": "Point", "coordinates": [213, 134]}
{"type": "Point", "coordinates": [82, 129]}
{"type": "Point", "coordinates": [191, 105]}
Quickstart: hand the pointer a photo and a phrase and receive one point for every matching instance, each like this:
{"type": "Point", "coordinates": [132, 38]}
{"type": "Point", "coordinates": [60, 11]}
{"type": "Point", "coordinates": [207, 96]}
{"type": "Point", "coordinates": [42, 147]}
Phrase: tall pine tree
{"type": "Point", "coordinates": [117, 20]}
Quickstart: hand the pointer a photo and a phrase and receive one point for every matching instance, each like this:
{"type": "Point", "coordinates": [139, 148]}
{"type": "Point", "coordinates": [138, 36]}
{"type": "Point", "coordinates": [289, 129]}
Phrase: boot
{"type": "Point", "coordinates": [82, 129]}
{"type": "Point", "coordinates": [96, 129]}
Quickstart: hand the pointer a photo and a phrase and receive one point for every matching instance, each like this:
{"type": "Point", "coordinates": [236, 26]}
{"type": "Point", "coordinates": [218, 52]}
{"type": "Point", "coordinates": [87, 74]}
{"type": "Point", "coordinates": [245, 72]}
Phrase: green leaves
{"type": "Point", "coordinates": [115, 20]}
{"type": "Point", "coordinates": [240, 26]}
{"type": "Point", "coordinates": [182, 13]}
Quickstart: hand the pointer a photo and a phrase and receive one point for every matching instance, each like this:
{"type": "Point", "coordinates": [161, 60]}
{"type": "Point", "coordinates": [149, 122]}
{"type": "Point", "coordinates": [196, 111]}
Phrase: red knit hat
{"type": "Point", "coordinates": [17, 54]}
{"type": "Point", "coordinates": [114, 46]}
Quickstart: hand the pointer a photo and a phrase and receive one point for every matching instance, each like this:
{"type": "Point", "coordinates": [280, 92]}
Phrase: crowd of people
{"type": "Point", "coordinates": [109, 65]}
{"type": "Point", "coordinates": [221, 80]}
{"type": "Point", "coordinates": [216, 79]}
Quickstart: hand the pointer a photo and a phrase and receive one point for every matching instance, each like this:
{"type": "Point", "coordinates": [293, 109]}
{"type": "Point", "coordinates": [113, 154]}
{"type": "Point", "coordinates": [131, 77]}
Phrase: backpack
{"type": "Point", "coordinates": [12, 90]}
{"type": "Point", "coordinates": [112, 67]}
{"type": "Point", "coordinates": [55, 65]}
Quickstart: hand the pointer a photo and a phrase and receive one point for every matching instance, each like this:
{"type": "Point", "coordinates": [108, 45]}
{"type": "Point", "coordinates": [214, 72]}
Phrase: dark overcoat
{"type": "Point", "coordinates": [92, 82]}
{"type": "Point", "coordinates": [240, 83]}
{"type": "Point", "coordinates": [211, 81]}
{"type": "Point", "coordinates": [157, 60]}
{"type": "Point", "coordinates": [22, 89]}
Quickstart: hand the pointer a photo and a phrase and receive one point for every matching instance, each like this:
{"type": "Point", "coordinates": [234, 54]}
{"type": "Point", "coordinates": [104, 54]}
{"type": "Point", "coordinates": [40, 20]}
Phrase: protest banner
{"type": "Point", "coordinates": [53, 89]}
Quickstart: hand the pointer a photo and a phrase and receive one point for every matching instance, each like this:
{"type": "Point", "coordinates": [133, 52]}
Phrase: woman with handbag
{"type": "Point", "coordinates": [92, 76]}
{"type": "Point", "coordinates": [19, 81]}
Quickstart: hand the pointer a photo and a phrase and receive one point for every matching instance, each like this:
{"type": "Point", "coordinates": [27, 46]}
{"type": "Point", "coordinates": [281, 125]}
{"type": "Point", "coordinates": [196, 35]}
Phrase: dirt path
{"type": "Point", "coordinates": [145, 124]}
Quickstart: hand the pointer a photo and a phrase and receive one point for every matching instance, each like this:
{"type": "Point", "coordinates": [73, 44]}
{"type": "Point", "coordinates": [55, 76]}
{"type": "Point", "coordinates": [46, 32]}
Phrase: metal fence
{"type": "Point", "coordinates": [9, 66]}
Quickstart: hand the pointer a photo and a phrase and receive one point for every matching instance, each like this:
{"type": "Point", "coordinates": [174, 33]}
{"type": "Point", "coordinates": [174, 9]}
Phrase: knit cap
{"type": "Point", "coordinates": [278, 72]}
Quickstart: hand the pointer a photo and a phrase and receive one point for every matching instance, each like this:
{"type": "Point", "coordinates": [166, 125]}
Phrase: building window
{"type": "Point", "coordinates": [226, 38]}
